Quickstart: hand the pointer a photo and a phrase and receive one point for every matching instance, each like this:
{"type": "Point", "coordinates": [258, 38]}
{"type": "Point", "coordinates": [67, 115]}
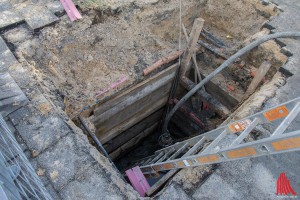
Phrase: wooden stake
{"type": "Point", "coordinates": [260, 74]}
{"type": "Point", "coordinates": [197, 72]}
{"type": "Point", "coordinates": [191, 47]}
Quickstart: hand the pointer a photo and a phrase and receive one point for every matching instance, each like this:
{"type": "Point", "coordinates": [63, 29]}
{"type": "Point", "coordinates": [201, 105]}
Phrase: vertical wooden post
{"type": "Point", "coordinates": [197, 72]}
{"type": "Point", "coordinates": [260, 73]}
{"type": "Point", "coordinates": [197, 27]}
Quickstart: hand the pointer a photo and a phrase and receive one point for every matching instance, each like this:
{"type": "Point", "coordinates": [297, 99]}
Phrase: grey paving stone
{"type": "Point", "coordinates": [7, 59]}
{"type": "Point", "coordinates": [55, 7]}
{"type": "Point", "coordinates": [11, 96]}
{"type": "Point", "coordinates": [43, 133]}
{"type": "Point", "coordinates": [20, 75]}
{"type": "Point", "coordinates": [5, 5]}
{"type": "Point", "coordinates": [20, 114]}
{"type": "Point", "coordinates": [18, 34]}
{"type": "Point", "coordinates": [65, 160]}
{"type": "Point", "coordinates": [99, 187]}
{"type": "Point", "coordinates": [174, 192]}
{"type": "Point", "coordinates": [53, 193]}
{"type": "Point", "coordinates": [38, 16]}
{"type": "Point", "coordinates": [9, 18]}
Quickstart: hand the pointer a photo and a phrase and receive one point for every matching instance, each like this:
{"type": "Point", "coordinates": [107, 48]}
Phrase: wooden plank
{"type": "Point", "coordinates": [165, 60]}
{"type": "Point", "coordinates": [134, 99]}
{"type": "Point", "coordinates": [133, 120]}
{"type": "Point", "coordinates": [133, 131]}
{"type": "Point", "coordinates": [260, 74]}
{"type": "Point", "coordinates": [191, 47]}
{"type": "Point", "coordinates": [11, 96]}
{"type": "Point", "coordinates": [131, 110]}
{"type": "Point", "coordinates": [127, 146]}
{"type": "Point", "coordinates": [133, 91]}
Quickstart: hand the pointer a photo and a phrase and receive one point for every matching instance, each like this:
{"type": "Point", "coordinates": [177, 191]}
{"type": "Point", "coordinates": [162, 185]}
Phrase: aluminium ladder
{"type": "Point", "coordinates": [228, 142]}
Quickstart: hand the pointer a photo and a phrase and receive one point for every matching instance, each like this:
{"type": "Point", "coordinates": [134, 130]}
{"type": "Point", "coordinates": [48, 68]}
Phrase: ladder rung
{"type": "Point", "coordinates": [245, 132]}
{"type": "Point", "coordinates": [195, 147]}
{"type": "Point", "coordinates": [179, 151]}
{"type": "Point", "coordinates": [156, 158]}
{"type": "Point", "coordinates": [147, 161]}
{"type": "Point", "coordinates": [166, 155]}
{"type": "Point", "coordinates": [288, 120]}
{"type": "Point", "coordinates": [215, 141]}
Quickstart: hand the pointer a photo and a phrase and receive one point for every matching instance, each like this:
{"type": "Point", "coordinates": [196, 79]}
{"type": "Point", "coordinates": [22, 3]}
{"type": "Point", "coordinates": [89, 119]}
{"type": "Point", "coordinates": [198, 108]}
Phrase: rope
{"type": "Point", "coordinates": [165, 138]}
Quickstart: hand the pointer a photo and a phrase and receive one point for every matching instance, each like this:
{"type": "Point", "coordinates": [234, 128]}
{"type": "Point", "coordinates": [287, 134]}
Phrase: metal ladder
{"type": "Point", "coordinates": [228, 142]}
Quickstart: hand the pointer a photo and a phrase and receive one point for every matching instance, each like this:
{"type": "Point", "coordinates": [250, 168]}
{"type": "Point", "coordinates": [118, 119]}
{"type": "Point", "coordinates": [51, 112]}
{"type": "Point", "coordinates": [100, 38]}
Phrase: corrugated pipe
{"type": "Point", "coordinates": [223, 66]}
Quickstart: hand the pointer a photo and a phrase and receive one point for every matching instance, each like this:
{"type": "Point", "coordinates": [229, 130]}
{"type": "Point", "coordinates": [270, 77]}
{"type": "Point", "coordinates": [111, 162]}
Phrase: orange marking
{"type": "Point", "coordinates": [276, 113]}
{"type": "Point", "coordinates": [239, 126]}
{"type": "Point", "coordinates": [286, 144]}
{"type": "Point", "coordinates": [168, 166]}
{"type": "Point", "coordinates": [239, 153]}
{"type": "Point", "coordinates": [208, 159]}
{"type": "Point", "coordinates": [180, 164]}
{"type": "Point", "coordinates": [156, 168]}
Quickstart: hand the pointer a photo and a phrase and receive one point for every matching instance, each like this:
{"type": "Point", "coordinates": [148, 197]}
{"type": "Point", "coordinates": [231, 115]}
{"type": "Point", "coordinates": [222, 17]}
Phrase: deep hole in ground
{"type": "Point", "coordinates": [75, 65]}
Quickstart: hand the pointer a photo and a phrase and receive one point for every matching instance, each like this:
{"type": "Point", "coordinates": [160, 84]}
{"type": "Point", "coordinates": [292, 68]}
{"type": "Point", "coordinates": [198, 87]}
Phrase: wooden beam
{"type": "Point", "coordinates": [167, 59]}
{"type": "Point", "coordinates": [191, 47]}
{"type": "Point", "coordinates": [260, 74]}
{"type": "Point", "coordinates": [214, 104]}
{"type": "Point", "coordinates": [127, 146]}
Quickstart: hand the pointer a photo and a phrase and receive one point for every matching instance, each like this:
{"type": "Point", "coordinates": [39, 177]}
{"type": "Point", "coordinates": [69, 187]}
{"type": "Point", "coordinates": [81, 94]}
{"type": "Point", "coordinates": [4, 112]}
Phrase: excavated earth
{"type": "Point", "coordinates": [73, 62]}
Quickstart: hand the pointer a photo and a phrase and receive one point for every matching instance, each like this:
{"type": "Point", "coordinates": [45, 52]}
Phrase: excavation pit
{"type": "Point", "coordinates": [93, 68]}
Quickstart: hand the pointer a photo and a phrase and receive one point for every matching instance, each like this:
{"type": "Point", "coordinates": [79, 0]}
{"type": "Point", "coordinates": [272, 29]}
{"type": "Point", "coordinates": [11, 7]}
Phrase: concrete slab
{"type": "Point", "coordinates": [100, 187]}
{"type": "Point", "coordinates": [174, 192]}
{"type": "Point", "coordinates": [50, 131]}
{"type": "Point", "coordinates": [9, 18]}
{"type": "Point", "coordinates": [65, 160]}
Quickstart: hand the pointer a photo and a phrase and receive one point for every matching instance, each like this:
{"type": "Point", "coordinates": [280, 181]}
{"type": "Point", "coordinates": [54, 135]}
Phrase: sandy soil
{"type": "Point", "coordinates": [116, 39]}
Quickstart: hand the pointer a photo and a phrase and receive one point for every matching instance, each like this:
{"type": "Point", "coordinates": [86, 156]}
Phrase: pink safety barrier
{"type": "Point", "coordinates": [71, 9]}
{"type": "Point", "coordinates": [138, 180]}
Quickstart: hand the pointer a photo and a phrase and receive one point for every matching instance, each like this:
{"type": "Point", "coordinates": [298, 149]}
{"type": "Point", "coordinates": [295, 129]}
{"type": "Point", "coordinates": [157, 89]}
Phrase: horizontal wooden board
{"type": "Point", "coordinates": [127, 109]}
{"type": "Point", "coordinates": [127, 146]}
{"type": "Point", "coordinates": [142, 114]}
{"type": "Point", "coordinates": [133, 131]}
{"type": "Point", "coordinates": [134, 91]}
{"type": "Point", "coordinates": [131, 110]}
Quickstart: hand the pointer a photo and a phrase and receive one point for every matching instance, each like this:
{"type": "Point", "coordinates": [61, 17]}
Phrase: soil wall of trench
{"type": "Point", "coordinates": [76, 61]}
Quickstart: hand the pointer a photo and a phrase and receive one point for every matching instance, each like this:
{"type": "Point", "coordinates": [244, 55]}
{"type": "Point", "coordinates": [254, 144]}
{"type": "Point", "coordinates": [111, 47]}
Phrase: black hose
{"type": "Point", "coordinates": [95, 139]}
{"type": "Point", "coordinates": [223, 66]}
